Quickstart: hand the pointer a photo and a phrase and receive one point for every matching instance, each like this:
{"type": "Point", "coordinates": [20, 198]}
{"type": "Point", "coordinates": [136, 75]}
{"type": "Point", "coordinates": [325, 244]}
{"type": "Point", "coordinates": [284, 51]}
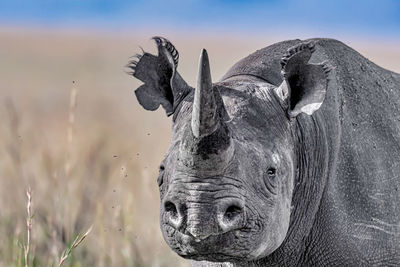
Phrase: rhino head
{"type": "Point", "coordinates": [227, 180]}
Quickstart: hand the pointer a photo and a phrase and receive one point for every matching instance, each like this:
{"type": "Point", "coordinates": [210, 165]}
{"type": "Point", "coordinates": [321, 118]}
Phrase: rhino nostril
{"type": "Point", "coordinates": [232, 212]}
{"type": "Point", "coordinates": [173, 216]}
{"type": "Point", "coordinates": [171, 209]}
{"type": "Point", "coordinates": [232, 218]}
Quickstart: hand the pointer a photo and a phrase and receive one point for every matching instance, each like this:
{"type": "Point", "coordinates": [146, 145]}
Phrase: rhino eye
{"type": "Point", "coordinates": [270, 181]}
{"type": "Point", "coordinates": [271, 172]}
{"type": "Point", "coordinates": [162, 167]}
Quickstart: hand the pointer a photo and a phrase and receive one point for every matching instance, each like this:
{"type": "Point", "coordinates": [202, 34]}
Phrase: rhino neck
{"type": "Point", "coordinates": [312, 157]}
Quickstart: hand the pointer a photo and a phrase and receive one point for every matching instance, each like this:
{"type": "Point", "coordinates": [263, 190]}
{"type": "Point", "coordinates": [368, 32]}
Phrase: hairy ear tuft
{"type": "Point", "coordinates": [162, 83]}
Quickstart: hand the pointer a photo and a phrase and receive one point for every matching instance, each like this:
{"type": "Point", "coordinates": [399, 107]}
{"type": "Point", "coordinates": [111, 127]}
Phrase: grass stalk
{"type": "Point", "coordinates": [77, 241]}
{"type": "Point", "coordinates": [28, 226]}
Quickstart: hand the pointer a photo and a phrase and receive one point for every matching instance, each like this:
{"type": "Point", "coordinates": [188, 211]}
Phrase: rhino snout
{"type": "Point", "coordinates": [201, 220]}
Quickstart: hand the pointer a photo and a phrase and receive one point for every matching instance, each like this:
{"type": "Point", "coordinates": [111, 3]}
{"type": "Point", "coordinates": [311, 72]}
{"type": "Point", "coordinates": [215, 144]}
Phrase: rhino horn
{"type": "Point", "coordinates": [205, 117]}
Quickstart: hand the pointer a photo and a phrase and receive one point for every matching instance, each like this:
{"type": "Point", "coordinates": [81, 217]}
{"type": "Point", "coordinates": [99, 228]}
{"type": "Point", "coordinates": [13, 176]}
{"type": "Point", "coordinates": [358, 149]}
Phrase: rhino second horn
{"type": "Point", "coordinates": [205, 119]}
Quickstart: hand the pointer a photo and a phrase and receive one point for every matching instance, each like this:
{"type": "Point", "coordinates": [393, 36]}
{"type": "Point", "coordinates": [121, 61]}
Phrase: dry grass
{"type": "Point", "coordinates": [90, 153]}
{"type": "Point", "coordinates": [28, 226]}
{"type": "Point", "coordinates": [90, 178]}
{"type": "Point", "coordinates": [86, 154]}
{"type": "Point", "coordinates": [77, 241]}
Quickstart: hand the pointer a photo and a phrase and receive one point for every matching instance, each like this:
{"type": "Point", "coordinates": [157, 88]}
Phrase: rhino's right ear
{"type": "Point", "coordinates": [162, 83]}
{"type": "Point", "coordinates": [304, 87]}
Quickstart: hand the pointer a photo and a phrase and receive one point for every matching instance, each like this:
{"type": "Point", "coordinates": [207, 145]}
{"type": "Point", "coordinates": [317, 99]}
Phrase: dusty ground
{"type": "Point", "coordinates": [95, 163]}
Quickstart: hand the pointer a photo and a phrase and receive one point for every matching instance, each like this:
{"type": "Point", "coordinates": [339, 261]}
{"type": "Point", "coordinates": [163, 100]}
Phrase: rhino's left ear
{"type": "Point", "coordinates": [162, 83]}
{"type": "Point", "coordinates": [304, 87]}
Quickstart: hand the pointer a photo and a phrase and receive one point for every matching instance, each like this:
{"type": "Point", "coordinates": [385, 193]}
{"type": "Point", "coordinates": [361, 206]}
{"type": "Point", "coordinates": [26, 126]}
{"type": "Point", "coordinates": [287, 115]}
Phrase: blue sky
{"type": "Point", "coordinates": [378, 18]}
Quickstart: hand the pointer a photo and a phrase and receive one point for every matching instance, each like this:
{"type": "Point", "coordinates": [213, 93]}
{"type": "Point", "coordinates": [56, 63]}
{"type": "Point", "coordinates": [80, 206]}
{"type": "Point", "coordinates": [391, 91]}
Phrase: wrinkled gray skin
{"type": "Point", "coordinates": [292, 159]}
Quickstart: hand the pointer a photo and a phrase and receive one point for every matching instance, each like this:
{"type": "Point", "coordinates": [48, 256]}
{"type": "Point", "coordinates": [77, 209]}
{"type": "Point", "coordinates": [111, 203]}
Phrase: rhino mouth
{"type": "Point", "coordinates": [227, 246]}
{"type": "Point", "coordinates": [216, 257]}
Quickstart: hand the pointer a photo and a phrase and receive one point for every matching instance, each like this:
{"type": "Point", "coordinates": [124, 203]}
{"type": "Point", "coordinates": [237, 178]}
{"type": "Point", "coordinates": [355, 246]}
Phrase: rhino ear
{"type": "Point", "coordinates": [304, 87]}
{"type": "Point", "coordinates": [162, 83]}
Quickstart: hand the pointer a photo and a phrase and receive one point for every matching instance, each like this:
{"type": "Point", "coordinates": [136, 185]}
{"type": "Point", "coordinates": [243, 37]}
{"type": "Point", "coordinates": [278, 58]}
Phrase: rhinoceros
{"type": "Point", "coordinates": [291, 159]}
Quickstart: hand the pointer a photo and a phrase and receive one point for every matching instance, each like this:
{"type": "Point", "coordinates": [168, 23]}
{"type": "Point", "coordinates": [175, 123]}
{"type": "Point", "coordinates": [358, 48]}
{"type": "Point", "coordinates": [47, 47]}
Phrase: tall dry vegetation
{"type": "Point", "coordinates": [90, 178]}
{"type": "Point", "coordinates": [90, 154]}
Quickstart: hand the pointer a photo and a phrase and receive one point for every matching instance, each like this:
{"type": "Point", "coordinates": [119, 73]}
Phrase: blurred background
{"type": "Point", "coordinates": [72, 130]}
